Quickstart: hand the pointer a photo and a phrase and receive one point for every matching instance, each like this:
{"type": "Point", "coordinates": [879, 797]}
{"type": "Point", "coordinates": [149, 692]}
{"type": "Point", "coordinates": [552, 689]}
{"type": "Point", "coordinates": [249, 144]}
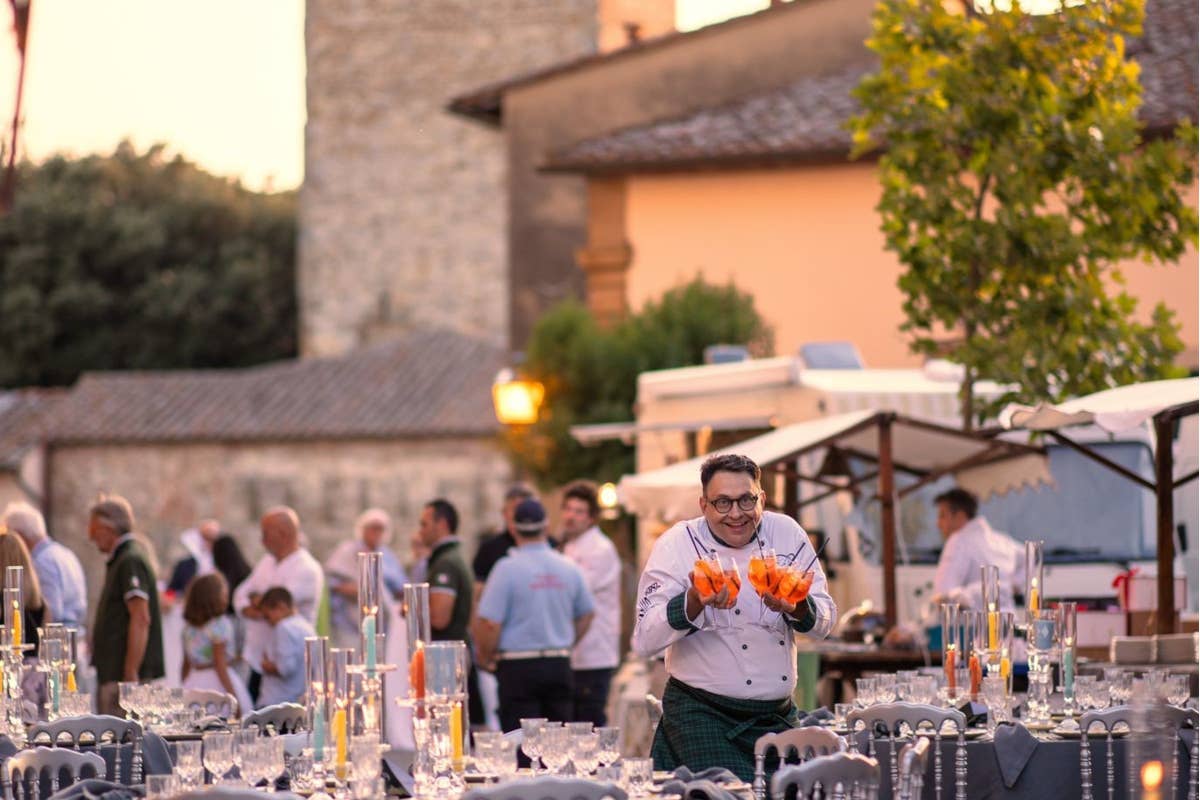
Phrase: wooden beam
{"type": "Point", "coordinates": [1185, 479]}
{"type": "Point", "coordinates": [887, 498]}
{"type": "Point", "coordinates": [1164, 430]}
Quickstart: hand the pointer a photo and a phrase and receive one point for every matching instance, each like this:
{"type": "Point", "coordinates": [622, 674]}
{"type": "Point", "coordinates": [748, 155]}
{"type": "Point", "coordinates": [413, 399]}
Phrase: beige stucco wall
{"type": "Point", "coordinates": [547, 222]}
{"type": "Point", "coordinates": [806, 243]}
{"type": "Point", "coordinates": [329, 484]}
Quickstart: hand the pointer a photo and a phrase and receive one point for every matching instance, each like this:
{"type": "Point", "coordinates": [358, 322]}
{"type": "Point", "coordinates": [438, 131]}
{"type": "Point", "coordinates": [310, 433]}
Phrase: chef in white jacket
{"type": "Point", "coordinates": [732, 663]}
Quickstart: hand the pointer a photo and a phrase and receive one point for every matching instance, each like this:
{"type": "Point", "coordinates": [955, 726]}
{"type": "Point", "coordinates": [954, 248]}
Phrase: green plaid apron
{"type": "Point", "coordinates": [700, 729]}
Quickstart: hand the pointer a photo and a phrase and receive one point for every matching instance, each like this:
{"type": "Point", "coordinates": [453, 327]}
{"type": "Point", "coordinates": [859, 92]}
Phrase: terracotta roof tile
{"type": "Point", "coordinates": [805, 120]}
{"type": "Point", "coordinates": [425, 384]}
{"type": "Point", "coordinates": [24, 415]}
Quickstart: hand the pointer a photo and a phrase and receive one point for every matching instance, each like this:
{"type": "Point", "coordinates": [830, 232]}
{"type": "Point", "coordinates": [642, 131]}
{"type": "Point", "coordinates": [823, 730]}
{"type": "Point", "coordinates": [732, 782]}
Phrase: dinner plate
{"type": "Point", "coordinates": [969, 733]}
{"type": "Point", "coordinates": [1095, 734]}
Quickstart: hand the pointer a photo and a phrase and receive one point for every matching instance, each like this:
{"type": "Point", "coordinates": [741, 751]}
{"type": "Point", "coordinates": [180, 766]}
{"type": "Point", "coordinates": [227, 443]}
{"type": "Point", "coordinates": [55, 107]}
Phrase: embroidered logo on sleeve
{"type": "Point", "coordinates": [644, 603]}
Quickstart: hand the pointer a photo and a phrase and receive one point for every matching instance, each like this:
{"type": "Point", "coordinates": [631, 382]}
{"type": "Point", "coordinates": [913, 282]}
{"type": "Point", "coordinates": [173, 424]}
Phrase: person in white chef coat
{"type": "Point", "coordinates": [731, 663]}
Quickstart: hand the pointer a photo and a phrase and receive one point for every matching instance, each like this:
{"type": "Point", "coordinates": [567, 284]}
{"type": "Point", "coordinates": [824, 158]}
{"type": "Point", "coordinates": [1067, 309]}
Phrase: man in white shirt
{"type": "Point", "coordinates": [970, 544]}
{"type": "Point", "coordinates": [731, 657]}
{"type": "Point", "coordinates": [285, 564]}
{"type": "Point", "coordinates": [595, 658]}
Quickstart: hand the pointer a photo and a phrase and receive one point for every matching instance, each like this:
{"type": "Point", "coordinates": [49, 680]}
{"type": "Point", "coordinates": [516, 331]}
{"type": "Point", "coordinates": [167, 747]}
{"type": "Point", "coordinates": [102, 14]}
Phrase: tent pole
{"type": "Point", "coordinates": [1164, 428]}
{"type": "Point", "coordinates": [887, 502]}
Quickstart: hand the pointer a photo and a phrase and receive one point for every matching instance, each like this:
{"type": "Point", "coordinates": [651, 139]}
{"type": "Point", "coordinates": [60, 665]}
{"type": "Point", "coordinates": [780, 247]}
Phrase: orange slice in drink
{"type": "Point", "coordinates": [733, 580]}
{"type": "Point", "coordinates": [758, 574]}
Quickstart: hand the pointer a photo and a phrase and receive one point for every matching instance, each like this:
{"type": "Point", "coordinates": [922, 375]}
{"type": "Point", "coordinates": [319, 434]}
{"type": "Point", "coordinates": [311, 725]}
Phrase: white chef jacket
{"type": "Point", "coordinates": [596, 557]}
{"type": "Point", "coordinates": [969, 548]}
{"type": "Point", "coordinates": [300, 574]}
{"type": "Point", "coordinates": [746, 652]}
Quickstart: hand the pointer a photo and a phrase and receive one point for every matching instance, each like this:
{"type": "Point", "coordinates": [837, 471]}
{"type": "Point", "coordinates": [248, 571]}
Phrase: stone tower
{"type": "Point", "coordinates": [402, 212]}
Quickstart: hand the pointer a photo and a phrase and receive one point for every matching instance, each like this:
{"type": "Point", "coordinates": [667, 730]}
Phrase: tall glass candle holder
{"type": "Point", "coordinates": [340, 659]}
{"type": "Point", "coordinates": [1035, 579]}
{"type": "Point", "coordinates": [989, 580]}
{"type": "Point", "coordinates": [974, 645]}
{"type": "Point", "coordinates": [316, 681]}
{"type": "Point", "coordinates": [1008, 621]}
{"type": "Point", "coordinates": [446, 667]}
{"type": "Point", "coordinates": [1042, 635]}
{"type": "Point", "coordinates": [416, 620]}
{"type": "Point", "coordinates": [14, 604]}
{"type": "Point", "coordinates": [369, 580]}
{"type": "Point", "coordinates": [1066, 613]}
{"type": "Point", "coordinates": [950, 651]}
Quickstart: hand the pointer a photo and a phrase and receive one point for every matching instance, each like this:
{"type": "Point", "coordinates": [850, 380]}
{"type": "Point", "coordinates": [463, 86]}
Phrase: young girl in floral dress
{"type": "Point", "coordinates": [208, 640]}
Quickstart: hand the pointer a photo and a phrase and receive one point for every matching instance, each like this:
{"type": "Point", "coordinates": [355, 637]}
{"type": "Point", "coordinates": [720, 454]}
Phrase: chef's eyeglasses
{"type": "Point", "coordinates": [723, 505]}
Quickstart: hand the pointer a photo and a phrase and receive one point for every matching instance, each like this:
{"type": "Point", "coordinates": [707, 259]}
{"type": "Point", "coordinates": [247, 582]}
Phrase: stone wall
{"type": "Point", "coordinates": [171, 486]}
{"type": "Point", "coordinates": [402, 212]}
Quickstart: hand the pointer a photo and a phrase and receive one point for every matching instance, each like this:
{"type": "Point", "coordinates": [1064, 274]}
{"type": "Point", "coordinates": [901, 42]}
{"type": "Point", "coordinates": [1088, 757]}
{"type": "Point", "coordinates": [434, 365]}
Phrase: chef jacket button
{"type": "Point", "coordinates": [784, 678]}
{"type": "Point", "coordinates": [748, 681]}
{"type": "Point", "coordinates": [737, 611]}
{"type": "Point", "coordinates": [781, 642]}
{"type": "Point", "coordinates": [745, 647]}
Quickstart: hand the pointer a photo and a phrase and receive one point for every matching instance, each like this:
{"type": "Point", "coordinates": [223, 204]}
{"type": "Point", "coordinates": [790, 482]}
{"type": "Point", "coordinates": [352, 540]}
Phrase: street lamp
{"type": "Point", "coordinates": [515, 399]}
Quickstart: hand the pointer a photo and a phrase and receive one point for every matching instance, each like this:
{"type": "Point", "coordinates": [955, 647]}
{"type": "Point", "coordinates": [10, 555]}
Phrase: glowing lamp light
{"type": "Point", "coordinates": [516, 401]}
{"type": "Point", "coordinates": [1152, 774]}
{"type": "Point", "coordinates": [607, 495]}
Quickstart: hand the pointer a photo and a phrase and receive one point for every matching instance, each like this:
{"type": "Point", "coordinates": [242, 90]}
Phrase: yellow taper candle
{"type": "Point", "coordinates": [456, 737]}
{"type": "Point", "coordinates": [71, 686]}
{"type": "Point", "coordinates": [16, 624]}
{"type": "Point", "coordinates": [339, 735]}
{"type": "Point", "coordinates": [1033, 599]}
{"type": "Point", "coordinates": [993, 630]}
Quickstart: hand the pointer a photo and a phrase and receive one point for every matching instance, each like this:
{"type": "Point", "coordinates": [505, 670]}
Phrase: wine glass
{"type": "Point", "coordinates": [188, 765]}
{"type": "Point", "coordinates": [584, 749]}
{"type": "Point", "coordinates": [244, 745]}
{"type": "Point", "coordinates": [608, 748]}
{"type": "Point", "coordinates": [1178, 690]}
{"type": "Point", "coordinates": [531, 744]}
{"type": "Point", "coordinates": [218, 754]}
{"type": "Point", "coordinates": [554, 747]}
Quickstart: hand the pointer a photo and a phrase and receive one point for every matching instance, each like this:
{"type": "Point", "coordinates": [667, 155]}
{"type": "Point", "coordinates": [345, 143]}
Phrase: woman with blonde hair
{"type": "Point", "coordinates": [14, 553]}
{"type": "Point", "coordinates": [372, 531]}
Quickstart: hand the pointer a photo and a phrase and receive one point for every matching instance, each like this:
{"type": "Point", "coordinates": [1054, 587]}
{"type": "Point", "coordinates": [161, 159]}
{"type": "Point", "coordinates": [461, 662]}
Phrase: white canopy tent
{"type": "Point", "coordinates": [1162, 403]}
{"type": "Point", "coordinates": [890, 441]}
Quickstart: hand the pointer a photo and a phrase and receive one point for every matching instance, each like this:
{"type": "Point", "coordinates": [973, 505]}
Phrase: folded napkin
{"type": "Point", "coordinates": [1013, 746]}
{"type": "Point", "coordinates": [816, 718]}
{"type": "Point", "coordinates": [697, 790]}
{"type": "Point", "coordinates": [714, 774]}
{"type": "Point", "coordinates": [96, 789]}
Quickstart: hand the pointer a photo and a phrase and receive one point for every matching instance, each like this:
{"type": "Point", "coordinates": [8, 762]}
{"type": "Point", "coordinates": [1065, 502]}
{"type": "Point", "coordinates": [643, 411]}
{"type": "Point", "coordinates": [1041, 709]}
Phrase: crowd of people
{"type": "Point", "coordinates": [524, 607]}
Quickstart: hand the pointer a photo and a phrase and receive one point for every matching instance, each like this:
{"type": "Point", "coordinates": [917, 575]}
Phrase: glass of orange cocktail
{"type": "Point", "coordinates": [733, 581]}
{"type": "Point", "coordinates": [800, 589]}
{"type": "Point", "coordinates": [762, 570]}
{"type": "Point", "coordinates": [708, 576]}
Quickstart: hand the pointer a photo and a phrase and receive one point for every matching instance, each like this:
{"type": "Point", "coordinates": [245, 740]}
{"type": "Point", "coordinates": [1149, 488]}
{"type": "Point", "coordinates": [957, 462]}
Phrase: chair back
{"type": "Point", "coordinates": [805, 743]}
{"type": "Point", "coordinates": [841, 774]}
{"type": "Point", "coordinates": [281, 717]}
{"type": "Point", "coordinates": [913, 757]}
{"type": "Point", "coordinates": [30, 764]}
{"type": "Point", "coordinates": [211, 701]}
{"type": "Point", "coordinates": [87, 729]}
{"type": "Point", "coordinates": [548, 788]}
{"type": "Point", "coordinates": [893, 715]}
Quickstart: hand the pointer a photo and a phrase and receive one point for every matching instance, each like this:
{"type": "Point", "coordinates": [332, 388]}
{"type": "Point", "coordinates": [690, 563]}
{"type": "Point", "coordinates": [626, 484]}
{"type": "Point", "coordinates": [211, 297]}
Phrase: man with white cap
{"type": "Point", "coordinates": [534, 609]}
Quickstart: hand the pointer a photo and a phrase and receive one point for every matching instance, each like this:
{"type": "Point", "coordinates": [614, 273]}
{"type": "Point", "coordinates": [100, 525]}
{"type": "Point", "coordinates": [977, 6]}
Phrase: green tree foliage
{"type": "Point", "coordinates": [1015, 177]}
{"type": "Point", "coordinates": [135, 261]}
{"type": "Point", "coordinates": [590, 374]}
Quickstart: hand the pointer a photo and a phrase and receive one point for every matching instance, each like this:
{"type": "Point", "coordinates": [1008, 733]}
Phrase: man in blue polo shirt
{"type": "Point", "coordinates": [534, 609]}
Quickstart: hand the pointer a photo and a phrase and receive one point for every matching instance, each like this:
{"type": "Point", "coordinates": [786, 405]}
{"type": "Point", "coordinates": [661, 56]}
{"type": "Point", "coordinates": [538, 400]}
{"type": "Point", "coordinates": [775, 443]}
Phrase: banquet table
{"type": "Point", "coordinates": [1051, 772]}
